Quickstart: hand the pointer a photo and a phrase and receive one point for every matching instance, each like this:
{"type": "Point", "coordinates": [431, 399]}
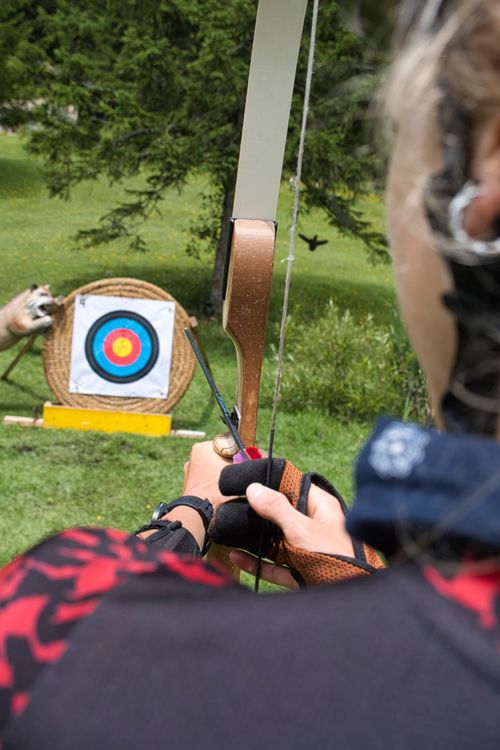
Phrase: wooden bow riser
{"type": "Point", "coordinates": [245, 312]}
{"type": "Point", "coordinates": [244, 318]}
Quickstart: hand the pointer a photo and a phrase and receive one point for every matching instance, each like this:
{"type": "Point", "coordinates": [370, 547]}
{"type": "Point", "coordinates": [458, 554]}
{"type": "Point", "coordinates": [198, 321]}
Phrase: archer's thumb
{"type": "Point", "coordinates": [273, 506]}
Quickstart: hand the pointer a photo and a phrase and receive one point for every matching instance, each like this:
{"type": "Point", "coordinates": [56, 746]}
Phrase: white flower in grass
{"type": "Point", "coordinates": [398, 449]}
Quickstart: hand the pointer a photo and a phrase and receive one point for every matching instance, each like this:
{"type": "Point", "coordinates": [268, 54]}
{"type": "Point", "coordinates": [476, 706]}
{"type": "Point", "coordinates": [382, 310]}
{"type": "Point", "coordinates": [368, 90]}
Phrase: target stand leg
{"type": "Point", "coordinates": [74, 418]}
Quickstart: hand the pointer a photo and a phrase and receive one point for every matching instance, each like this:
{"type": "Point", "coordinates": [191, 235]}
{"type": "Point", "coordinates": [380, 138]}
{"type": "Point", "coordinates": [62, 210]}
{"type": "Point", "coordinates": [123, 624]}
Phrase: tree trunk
{"type": "Point", "coordinates": [216, 286]}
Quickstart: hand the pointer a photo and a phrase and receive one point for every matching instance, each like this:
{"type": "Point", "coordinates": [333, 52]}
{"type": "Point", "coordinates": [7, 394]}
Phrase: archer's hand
{"type": "Point", "coordinates": [202, 472]}
{"type": "Point", "coordinates": [322, 530]}
{"type": "Point", "coordinates": [303, 528]}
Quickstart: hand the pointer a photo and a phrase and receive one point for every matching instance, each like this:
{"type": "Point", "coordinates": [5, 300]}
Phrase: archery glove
{"type": "Point", "coordinates": [235, 524]}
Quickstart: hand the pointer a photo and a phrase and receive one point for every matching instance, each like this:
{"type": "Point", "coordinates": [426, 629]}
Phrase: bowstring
{"type": "Point", "coordinates": [289, 261]}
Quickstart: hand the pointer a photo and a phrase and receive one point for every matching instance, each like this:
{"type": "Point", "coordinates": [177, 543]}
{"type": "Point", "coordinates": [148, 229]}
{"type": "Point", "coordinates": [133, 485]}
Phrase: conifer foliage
{"type": "Point", "coordinates": [117, 88]}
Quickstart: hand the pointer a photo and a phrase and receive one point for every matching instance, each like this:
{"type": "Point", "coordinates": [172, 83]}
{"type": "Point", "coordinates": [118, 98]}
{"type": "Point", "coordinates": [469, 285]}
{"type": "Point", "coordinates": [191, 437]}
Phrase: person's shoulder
{"type": "Point", "coordinates": [88, 562]}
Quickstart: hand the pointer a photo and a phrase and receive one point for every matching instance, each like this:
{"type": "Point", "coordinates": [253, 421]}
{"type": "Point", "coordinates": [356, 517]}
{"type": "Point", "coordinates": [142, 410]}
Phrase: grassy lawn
{"type": "Point", "coordinates": [51, 479]}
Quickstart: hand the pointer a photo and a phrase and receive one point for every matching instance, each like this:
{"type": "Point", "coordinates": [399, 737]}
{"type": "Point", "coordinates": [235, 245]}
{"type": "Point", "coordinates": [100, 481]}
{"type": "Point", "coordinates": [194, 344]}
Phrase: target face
{"type": "Point", "coordinates": [121, 346]}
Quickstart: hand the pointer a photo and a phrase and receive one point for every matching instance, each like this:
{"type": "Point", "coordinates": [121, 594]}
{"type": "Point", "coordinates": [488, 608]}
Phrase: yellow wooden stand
{"type": "Point", "coordinates": [73, 418]}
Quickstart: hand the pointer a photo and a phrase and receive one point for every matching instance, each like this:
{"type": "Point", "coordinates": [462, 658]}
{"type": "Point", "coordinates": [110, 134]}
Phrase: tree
{"type": "Point", "coordinates": [19, 30]}
{"type": "Point", "coordinates": [157, 87]}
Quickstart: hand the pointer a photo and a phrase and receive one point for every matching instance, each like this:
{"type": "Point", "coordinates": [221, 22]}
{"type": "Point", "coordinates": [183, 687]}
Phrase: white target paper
{"type": "Point", "coordinates": [122, 346]}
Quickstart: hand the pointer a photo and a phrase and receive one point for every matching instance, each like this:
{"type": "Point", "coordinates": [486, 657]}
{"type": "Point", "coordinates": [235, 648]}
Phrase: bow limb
{"type": "Point", "coordinates": [275, 49]}
{"type": "Point", "coordinates": [247, 287]}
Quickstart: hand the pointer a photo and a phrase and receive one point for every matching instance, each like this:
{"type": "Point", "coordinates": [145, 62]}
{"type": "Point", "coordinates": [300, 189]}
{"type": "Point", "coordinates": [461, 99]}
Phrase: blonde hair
{"type": "Point", "coordinates": [464, 52]}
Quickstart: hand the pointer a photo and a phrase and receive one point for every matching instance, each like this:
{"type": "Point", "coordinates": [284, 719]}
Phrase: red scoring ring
{"type": "Point", "coordinates": [125, 333]}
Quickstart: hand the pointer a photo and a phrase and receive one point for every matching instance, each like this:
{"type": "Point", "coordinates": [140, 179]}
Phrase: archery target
{"type": "Point", "coordinates": [121, 346]}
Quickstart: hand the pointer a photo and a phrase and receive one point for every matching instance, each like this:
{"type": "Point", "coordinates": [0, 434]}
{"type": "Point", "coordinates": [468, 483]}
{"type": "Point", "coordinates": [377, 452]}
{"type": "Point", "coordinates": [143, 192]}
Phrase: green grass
{"type": "Point", "coordinates": [51, 479]}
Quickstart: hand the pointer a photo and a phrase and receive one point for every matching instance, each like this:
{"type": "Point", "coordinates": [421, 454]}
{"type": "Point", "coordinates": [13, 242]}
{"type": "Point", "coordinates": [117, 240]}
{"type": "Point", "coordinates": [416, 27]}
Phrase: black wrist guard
{"type": "Point", "coordinates": [165, 528]}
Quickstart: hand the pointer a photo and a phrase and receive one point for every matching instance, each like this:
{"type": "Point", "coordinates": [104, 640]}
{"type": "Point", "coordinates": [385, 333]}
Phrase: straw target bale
{"type": "Point", "coordinates": [58, 340]}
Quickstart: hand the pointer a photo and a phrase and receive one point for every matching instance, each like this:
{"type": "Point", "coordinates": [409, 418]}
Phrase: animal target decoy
{"type": "Point", "coordinates": [28, 313]}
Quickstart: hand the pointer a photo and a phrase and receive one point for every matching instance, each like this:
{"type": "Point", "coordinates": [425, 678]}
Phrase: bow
{"type": "Point", "coordinates": [251, 240]}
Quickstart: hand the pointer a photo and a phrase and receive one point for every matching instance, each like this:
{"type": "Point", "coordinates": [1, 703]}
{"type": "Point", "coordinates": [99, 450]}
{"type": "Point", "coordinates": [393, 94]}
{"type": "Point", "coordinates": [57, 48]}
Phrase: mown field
{"type": "Point", "coordinates": [51, 479]}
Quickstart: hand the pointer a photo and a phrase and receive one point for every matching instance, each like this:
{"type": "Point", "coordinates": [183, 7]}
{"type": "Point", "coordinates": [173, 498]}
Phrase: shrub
{"type": "Point", "coordinates": [352, 368]}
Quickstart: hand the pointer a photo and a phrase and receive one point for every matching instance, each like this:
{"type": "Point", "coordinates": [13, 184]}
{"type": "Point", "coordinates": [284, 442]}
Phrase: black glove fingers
{"type": "Point", "coordinates": [235, 524]}
{"type": "Point", "coordinates": [235, 479]}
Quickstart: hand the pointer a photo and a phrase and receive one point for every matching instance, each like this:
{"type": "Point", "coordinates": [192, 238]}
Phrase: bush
{"type": "Point", "coordinates": [352, 369]}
